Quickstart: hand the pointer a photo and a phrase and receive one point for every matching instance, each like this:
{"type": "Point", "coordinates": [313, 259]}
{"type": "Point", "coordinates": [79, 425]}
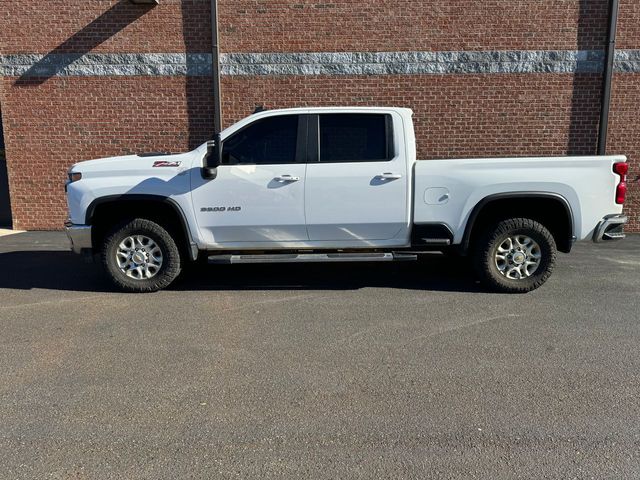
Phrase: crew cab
{"type": "Point", "coordinates": [337, 185]}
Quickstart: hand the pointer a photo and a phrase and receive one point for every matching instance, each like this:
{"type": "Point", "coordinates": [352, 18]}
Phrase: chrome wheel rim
{"type": "Point", "coordinates": [139, 257]}
{"type": "Point", "coordinates": [518, 257]}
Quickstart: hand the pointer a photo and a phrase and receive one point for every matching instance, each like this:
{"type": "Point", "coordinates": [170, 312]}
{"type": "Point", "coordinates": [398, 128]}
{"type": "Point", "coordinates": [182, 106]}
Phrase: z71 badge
{"type": "Point", "coordinates": [220, 209]}
{"type": "Point", "coordinates": [166, 163]}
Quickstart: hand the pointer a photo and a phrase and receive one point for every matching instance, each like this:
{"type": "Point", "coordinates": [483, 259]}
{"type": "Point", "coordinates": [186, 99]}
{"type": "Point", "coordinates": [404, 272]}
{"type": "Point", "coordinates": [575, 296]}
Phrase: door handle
{"type": "Point", "coordinates": [389, 176]}
{"type": "Point", "coordinates": [286, 178]}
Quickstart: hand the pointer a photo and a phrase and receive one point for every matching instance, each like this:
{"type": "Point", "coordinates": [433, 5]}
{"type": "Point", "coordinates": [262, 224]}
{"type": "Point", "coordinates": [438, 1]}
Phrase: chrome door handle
{"type": "Point", "coordinates": [389, 176]}
{"type": "Point", "coordinates": [286, 178]}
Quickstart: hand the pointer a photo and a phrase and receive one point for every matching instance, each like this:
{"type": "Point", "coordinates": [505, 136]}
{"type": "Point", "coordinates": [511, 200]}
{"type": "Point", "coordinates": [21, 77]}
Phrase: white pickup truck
{"type": "Point", "coordinates": [337, 185]}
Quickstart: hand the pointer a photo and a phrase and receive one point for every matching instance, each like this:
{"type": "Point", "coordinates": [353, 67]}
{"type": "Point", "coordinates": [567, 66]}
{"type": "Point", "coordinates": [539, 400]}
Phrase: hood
{"type": "Point", "coordinates": [145, 163]}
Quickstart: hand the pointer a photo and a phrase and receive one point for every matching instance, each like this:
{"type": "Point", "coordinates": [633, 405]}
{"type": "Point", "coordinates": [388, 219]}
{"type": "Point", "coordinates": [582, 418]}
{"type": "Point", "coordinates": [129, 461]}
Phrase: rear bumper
{"type": "Point", "coordinates": [79, 235]}
{"type": "Point", "coordinates": [610, 228]}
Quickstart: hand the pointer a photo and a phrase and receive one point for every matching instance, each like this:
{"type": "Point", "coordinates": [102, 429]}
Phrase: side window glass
{"type": "Point", "coordinates": [271, 140]}
{"type": "Point", "coordinates": [346, 137]}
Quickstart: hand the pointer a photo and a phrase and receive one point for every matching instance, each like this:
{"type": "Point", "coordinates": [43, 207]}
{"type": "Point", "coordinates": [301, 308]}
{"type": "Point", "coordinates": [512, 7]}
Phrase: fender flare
{"type": "Point", "coordinates": [192, 246]}
{"type": "Point", "coordinates": [466, 239]}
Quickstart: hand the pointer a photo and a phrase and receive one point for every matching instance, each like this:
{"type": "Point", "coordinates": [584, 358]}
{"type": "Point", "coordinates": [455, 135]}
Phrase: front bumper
{"type": "Point", "coordinates": [610, 228]}
{"type": "Point", "coordinates": [79, 235]}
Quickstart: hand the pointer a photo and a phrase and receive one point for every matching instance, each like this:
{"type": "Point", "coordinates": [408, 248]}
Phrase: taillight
{"type": "Point", "coordinates": [621, 169]}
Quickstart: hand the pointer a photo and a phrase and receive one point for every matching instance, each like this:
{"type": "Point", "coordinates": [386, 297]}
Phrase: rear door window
{"type": "Point", "coordinates": [355, 137]}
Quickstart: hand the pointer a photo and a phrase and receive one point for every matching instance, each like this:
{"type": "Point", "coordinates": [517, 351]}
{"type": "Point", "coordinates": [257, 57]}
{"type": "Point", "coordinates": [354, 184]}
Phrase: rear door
{"type": "Point", "coordinates": [257, 197]}
{"type": "Point", "coordinates": [357, 179]}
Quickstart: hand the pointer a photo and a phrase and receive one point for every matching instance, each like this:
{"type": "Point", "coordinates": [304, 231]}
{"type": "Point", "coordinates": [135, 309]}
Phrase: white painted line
{"type": "Point", "coordinates": [5, 231]}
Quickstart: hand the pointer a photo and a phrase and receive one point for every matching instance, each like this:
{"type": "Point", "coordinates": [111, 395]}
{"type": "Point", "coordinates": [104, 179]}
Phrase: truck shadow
{"type": "Point", "coordinates": [60, 270]}
{"type": "Point", "coordinates": [435, 273]}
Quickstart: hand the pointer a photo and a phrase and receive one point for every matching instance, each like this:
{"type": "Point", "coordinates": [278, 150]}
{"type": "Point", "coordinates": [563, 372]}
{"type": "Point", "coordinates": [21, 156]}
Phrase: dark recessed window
{"type": "Point", "coordinates": [347, 137]}
{"type": "Point", "coordinates": [268, 141]}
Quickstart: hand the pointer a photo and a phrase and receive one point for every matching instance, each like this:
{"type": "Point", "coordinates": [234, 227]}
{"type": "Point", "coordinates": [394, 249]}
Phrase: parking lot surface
{"type": "Point", "coordinates": [318, 371]}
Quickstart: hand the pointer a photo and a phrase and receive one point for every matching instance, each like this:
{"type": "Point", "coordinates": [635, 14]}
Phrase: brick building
{"type": "Point", "coordinates": [82, 79]}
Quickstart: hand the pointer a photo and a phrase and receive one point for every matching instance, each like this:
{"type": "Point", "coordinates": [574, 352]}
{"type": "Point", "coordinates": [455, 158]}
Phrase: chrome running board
{"type": "Point", "coordinates": [312, 258]}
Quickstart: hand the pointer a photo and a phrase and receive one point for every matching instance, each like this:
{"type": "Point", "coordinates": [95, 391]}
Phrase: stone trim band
{"type": "Point", "coordinates": [320, 63]}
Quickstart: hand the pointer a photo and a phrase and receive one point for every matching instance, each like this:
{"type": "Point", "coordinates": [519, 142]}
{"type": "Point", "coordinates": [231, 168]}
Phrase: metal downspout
{"type": "Point", "coordinates": [608, 77]}
{"type": "Point", "coordinates": [215, 69]}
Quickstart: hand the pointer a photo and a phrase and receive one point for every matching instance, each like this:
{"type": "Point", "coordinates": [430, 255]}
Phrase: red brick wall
{"type": "Point", "coordinates": [629, 24]}
{"type": "Point", "coordinates": [65, 120]}
{"type": "Point", "coordinates": [624, 138]}
{"type": "Point", "coordinates": [624, 133]}
{"type": "Point", "coordinates": [455, 115]}
{"type": "Point", "coordinates": [105, 26]}
{"type": "Point", "coordinates": [390, 25]}
{"type": "Point", "coordinates": [52, 123]}
{"type": "Point", "coordinates": [306, 25]}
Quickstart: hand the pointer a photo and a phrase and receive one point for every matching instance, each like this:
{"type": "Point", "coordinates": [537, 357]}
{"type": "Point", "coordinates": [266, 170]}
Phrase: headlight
{"type": "Point", "coordinates": [74, 176]}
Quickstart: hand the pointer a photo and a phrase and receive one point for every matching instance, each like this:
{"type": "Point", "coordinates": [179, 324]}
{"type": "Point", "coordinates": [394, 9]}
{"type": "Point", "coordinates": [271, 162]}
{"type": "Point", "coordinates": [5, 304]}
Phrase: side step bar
{"type": "Point", "coordinates": [312, 258]}
{"type": "Point", "coordinates": [436, 241]}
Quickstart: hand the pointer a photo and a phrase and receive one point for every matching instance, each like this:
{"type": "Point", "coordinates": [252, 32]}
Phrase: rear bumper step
{"type": "Point", "coordinates": [311, 258]}
{"type": "Point", "coordinates": [610, 228]}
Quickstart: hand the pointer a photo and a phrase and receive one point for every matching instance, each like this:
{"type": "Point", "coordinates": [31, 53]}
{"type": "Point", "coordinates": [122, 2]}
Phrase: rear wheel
{"type": "Point", "coordinates": [140, 256]}
{"type": "Point", "coordinates": [516, 255]}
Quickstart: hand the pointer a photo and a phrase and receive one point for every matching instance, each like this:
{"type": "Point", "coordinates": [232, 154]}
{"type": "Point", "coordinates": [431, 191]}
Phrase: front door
{"type": "Point", "coordinates": [356, 192]}
{"type": "Point", "coordinates": [257, 197]}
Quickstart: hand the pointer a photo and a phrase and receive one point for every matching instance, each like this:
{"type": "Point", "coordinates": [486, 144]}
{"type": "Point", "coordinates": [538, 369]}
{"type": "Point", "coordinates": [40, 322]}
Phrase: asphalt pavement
{"type": "Point", "coordinates": [405, 370]}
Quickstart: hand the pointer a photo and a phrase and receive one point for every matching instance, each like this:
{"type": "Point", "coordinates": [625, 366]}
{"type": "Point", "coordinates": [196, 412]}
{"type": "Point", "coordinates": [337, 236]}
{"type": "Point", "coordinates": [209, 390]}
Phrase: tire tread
{"type": "Point", "coordinates": [171, 266]}
{"type": "Point", "coordinates": [482, 255]}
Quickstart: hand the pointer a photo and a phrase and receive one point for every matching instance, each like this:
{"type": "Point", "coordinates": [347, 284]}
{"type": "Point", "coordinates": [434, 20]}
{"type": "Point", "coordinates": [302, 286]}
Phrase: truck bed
{"type": "Point", "coordinates": [446, 191]}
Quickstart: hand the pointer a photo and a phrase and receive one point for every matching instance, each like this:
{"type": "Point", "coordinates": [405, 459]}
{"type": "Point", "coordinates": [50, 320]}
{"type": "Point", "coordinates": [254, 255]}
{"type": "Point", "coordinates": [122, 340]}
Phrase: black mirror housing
{"type": "Point", "coordinates": [212, 158]}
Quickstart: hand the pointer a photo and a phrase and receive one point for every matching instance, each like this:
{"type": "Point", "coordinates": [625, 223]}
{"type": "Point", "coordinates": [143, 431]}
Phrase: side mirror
{"type": "Point", "coordinates": [212, 159]}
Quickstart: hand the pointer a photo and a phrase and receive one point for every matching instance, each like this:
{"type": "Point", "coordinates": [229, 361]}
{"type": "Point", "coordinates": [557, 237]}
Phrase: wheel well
{"type": "Point", "coordinates": [106, 214]}
{"type": "Point", "coordinates": [551, 211]}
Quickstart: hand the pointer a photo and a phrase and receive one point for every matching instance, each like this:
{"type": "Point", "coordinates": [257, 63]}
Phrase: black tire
{"type": "Point", "coordinates": [493, 237]}
{"type": "Point", "coordinates": [171, 263]}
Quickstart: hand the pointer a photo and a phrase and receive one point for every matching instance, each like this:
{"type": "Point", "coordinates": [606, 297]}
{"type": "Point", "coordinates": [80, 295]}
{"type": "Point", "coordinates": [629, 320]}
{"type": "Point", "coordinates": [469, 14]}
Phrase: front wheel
{"type": "Point", "coordinates": [140, 256]}
{"type": "Point", "coordinates": [515, 255]}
